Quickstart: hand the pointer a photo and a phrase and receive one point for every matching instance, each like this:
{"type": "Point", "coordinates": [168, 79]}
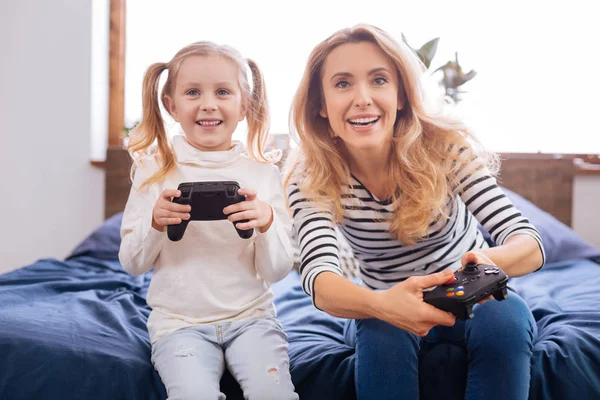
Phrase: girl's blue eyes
{"type": "Point", "coordinates": [194, 92]}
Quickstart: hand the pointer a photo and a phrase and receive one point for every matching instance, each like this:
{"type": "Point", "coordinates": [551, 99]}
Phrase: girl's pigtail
{"type": "Point", "coordinates": [152, 126]}
{"type": "Point", "coordinates": [257, 116]}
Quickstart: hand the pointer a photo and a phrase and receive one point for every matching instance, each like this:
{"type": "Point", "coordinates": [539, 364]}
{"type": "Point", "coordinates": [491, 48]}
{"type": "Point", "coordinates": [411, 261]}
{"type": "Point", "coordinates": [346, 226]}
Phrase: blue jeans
{"type": "Point", "coordinates": [499, 343]}
{"type": "Point", "coordinates": [191, 361]}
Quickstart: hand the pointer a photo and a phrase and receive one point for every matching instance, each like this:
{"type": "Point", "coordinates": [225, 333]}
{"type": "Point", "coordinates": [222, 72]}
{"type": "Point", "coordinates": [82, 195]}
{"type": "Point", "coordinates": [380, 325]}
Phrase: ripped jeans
{"type": "Point", "coordinates": [191, 361]}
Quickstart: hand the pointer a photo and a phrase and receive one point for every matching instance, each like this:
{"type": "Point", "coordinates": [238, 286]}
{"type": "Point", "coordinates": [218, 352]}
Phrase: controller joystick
{"type": "Point", "coordinates": [471, 268]}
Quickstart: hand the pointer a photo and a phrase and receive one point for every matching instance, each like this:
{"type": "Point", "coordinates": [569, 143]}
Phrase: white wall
{"type": "Point", "coordinates": [100, 78]}
{"type": "Point", "coordinates": [513, 49]}
{"type": "Point", "coordinates": [50, 195]}
{"type": "Point", "coordinates": [586, 207]}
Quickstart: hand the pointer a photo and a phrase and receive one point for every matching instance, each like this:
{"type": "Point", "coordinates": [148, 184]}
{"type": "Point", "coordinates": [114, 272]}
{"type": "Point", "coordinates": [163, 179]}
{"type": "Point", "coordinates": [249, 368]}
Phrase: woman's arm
{"type": "Point", "coordinates": [402, 305]}
{"type": "Point", "coordinates": [313, 223]}
{"type": "Point", "coordinates": [520, 249]}
{"type": "Point", "coordinates": [518, 256]}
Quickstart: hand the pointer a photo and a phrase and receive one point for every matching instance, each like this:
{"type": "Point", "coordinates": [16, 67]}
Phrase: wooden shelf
{"type": "Point", "coordinates": [98, 164]}
{"type": "Point", "coordinates": [583, 167]}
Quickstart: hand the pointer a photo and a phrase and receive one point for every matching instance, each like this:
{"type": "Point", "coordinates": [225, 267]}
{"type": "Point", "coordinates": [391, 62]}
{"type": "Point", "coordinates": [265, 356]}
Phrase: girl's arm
{"type": "Point", "coordinates": [140, 242]}
{"type": "Point", "coordinates": [520, 250]}
{"type": "Point", "coordinates": [274, 255]}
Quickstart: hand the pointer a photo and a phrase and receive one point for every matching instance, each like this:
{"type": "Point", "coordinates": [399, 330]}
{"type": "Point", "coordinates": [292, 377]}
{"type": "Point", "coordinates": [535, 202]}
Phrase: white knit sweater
{"type": "Point", "coordinates": [211, 275]}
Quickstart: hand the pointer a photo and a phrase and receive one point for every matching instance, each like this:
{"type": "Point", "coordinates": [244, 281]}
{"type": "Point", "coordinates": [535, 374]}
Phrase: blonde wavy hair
{"type": "Point", "coordinates": [422, 167]}
{"type": "Point", "coordinates": [151, 128]}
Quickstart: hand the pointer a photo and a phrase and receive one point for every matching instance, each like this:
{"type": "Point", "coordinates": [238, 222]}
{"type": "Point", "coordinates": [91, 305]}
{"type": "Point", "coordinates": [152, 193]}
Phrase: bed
{"type": "Point", "coordinates": [75, 328]}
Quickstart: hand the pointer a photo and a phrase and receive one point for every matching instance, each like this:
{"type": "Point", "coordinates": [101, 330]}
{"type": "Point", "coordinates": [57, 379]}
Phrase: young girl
{"type": "Point", "coordinates": [407, 187]}
{"type": "Point", "coordinates": [211, 303]}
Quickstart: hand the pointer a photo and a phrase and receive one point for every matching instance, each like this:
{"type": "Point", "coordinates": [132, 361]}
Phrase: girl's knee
{"type": "Point", "coordinates": [271, 392]}
{"type": "Point", "coordinates": [194, 392]}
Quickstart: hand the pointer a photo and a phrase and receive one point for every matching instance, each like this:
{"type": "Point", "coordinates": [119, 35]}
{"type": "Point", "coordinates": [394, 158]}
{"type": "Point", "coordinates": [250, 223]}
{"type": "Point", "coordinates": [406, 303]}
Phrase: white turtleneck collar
{"type": "Point", "coordinates": [188, 154]}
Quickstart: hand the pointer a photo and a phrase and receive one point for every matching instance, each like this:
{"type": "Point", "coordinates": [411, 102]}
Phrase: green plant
{"type": "Point", "coordinates": [453, 75]}
{"type": "Point", "coordinates": [128, 128]}
{"type": "Point", "coordinates": [425, 52]}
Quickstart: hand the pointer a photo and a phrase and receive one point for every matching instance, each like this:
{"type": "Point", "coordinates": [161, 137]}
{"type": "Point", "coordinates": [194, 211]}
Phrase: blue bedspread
{"type": "Point", "coordinates": [76, 329]}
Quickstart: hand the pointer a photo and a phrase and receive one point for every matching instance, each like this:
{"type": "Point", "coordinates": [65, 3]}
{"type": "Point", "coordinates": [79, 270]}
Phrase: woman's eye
{"type": "Point", "coordinates": [380, 81]}
{"type": "Point", "coordinates": [222, 92]}
{"type": "Point", "coordinates": [192, 92]}
{"type": "Point", "coordinates": [342, 84]}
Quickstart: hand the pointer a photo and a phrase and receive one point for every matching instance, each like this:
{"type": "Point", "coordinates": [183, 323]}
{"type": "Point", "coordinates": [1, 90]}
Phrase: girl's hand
{"type": "Point", "coordinates": [258, 214]}
{"type": "Point", "coordinates": [477, 256]}
{"type": "Point", "coordinates": [166, 212]}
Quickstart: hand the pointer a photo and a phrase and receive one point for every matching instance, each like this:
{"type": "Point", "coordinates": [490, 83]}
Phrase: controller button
{"type": "Point", "coordinates": [460, 293]}
{"type": "Point", "coordinates": [231, 191]}
{"type": "Point", "coordinates": [450, 294]}
{"type": "Point", "coordinates": [450, 281]}
{"type": "Point", "coordinates": [450, 289]}
{"type": "Point", "coordinates": [460, 288]}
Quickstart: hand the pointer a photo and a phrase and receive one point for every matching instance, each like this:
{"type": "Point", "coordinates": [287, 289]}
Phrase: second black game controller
{"type": "Point", "coordinates": [207, 200]}
{"type": "Point", "coordinates": [469, 286]}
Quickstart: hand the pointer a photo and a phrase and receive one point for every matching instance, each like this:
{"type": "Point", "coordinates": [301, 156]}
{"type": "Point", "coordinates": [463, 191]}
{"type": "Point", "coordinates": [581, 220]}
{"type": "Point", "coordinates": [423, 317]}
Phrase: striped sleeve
{"type": "Point", "coordinates": [490, 206]}
{"type": "Point", "coordinates": [314, 228]}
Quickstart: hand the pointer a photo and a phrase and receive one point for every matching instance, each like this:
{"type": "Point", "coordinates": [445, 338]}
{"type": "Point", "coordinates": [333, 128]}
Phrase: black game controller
{"type": "Point", "coordinates": [207, 199]}
{"type": "Point", "coordinates": [469, 286]}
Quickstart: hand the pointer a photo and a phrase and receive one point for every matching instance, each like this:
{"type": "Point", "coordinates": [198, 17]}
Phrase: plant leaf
{"type": "Point", "coordinates": [428, 50]}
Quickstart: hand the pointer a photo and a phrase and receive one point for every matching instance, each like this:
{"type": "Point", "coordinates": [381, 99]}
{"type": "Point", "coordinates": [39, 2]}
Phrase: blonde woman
{"type": "Point", "coordinates": [406, 186]}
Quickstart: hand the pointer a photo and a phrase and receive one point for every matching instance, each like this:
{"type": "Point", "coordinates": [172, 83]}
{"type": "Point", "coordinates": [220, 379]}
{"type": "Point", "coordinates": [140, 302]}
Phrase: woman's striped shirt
{"type": "Point", "coordinates": [383, 260]}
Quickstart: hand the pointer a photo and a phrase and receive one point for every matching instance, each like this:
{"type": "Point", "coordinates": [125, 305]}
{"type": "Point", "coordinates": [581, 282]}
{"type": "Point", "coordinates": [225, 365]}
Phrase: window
{"type": "Point", "coordinates": [536, 88]}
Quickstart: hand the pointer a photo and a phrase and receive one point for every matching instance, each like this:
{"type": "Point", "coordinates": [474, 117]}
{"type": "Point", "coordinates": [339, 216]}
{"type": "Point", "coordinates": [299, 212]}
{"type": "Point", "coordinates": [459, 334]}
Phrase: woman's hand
{"type": "Point", "coordinates": [257, 213]}
{"type": "Point", "coordinates": [477, 256]}
{"type": "Point", "coordinates": [402, 305]}
{"type": "Point", "coordinates": [166, 212]}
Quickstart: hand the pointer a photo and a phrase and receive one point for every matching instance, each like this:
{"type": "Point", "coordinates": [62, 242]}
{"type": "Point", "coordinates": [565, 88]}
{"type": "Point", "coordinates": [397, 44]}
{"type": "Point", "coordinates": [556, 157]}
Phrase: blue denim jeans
{"type": "Point", "coordinates": [499, 343]}
{"type": "Point", "coordinates": [191, 361]}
